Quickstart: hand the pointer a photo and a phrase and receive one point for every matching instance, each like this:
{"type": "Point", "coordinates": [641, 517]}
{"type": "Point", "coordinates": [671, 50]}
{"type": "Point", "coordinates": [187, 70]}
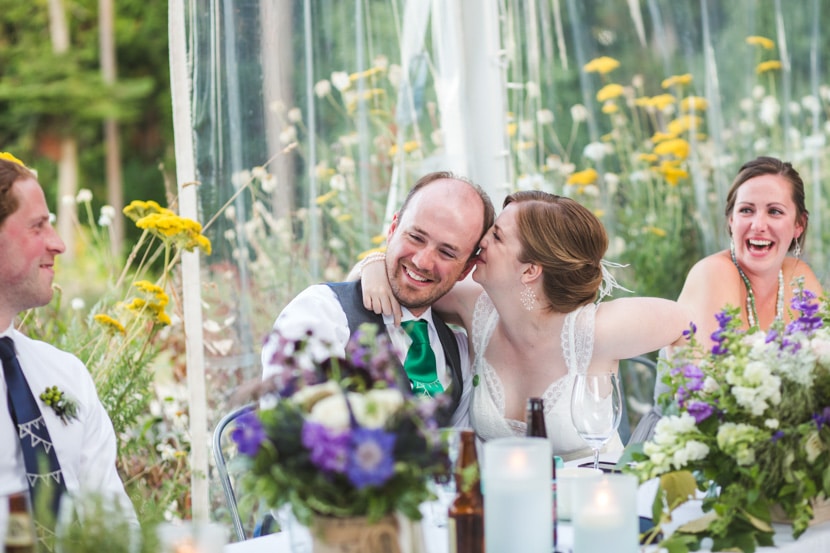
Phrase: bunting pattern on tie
{"type": "Point", "coordinates": [43, 471]}
{"type": "Point", "coordinates": [420, 364]}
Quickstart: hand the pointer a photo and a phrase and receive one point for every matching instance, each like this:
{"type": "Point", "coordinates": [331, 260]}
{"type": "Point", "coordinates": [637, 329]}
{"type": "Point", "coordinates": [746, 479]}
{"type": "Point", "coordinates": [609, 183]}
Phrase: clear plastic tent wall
{"type": "Point", "coordinates": [311, 119]}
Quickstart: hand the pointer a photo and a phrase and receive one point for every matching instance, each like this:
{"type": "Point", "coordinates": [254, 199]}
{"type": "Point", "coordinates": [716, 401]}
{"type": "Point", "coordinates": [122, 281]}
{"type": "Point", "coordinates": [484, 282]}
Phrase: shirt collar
{"type": "Point", "coordinates": [406, 315]}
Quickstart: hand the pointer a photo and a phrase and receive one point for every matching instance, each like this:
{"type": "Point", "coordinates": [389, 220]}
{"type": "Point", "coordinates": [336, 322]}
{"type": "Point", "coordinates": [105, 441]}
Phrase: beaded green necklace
{"type": "Point", "coordinates": [751, 312]}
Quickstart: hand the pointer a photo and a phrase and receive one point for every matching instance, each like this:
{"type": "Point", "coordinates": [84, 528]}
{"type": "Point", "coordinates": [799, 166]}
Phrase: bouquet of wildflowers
{"type": "Point", "coordinates": [342, 436]}
{"type": "Point", "coordinates": [750, 419]}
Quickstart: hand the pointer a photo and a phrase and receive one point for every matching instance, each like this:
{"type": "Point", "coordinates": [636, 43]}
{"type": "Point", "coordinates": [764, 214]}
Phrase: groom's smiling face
{"type": "Point", "coordinates": [431, 243]}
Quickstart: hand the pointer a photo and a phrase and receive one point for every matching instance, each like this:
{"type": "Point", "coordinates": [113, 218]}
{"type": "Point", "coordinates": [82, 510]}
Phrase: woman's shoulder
{"type": "Point", "coordinates": [798, 268]}
{"type": "Point", "coordinates": [715, 264]}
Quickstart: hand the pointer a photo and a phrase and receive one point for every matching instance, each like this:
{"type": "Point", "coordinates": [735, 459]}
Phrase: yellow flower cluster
{"type": "Point", "coordinates": [408, 147]}
{"type": "Point", "coordinates": [111, 325]}
{"type": "Point", "coordinates": [609, 92]}
{"type": "Point", "coordinates": [152, 305]}
{"type": "Point", "coordinates": [670, 148]}
{"type": "Point", "coordinates": [165, 224]}
{"type": "Point", "coordinates": [761, 41]}
{"type": "Point", "coordinates": [602, 65]}
{"type": "Point", "coordinates": [583, 178]}
{"type": "Point", "coordinates": [677, 80]}
{"type": "Point", "coordinates": [765, 66]}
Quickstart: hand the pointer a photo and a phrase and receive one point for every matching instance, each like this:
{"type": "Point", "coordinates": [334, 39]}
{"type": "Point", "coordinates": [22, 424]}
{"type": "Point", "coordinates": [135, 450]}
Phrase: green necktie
{"type": "Point", "coordinates": [420, 360]}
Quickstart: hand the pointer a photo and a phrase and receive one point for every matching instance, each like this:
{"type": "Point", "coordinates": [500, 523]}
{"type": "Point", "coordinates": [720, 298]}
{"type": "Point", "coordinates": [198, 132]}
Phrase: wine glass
{"type": "Point", "coordinates": [450, 440]}
{"type": "Point", "coordinates": [596, 408]}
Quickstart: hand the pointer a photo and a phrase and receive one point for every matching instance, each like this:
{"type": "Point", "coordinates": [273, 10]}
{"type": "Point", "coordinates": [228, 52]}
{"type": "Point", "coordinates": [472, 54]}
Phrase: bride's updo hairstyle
{"type": "Point", "coordinates": [566, 240]}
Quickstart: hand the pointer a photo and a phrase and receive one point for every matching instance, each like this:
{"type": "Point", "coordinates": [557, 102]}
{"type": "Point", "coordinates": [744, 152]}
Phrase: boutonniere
{"type": "Point", "coordinates": [64, 407]}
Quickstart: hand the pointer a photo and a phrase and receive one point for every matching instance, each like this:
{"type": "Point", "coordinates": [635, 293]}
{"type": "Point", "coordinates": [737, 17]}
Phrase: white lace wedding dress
{"type": "Point", "coordinates": [487, 408]}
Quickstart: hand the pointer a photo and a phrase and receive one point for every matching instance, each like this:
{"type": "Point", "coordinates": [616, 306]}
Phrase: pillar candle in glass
{"type": "Point", "coordinates": [605, 515]}
{"type": "Point", "coordinates": [517, 498]}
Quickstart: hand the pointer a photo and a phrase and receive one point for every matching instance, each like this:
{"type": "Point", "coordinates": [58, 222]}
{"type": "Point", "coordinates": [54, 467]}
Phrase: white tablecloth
{"type": "Point", "coordinates": [814, 540]}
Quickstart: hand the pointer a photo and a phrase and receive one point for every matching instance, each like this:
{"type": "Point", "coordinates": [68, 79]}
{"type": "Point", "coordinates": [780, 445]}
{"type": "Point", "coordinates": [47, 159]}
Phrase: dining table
{"type": "Point", "coordinates": [434, 536]}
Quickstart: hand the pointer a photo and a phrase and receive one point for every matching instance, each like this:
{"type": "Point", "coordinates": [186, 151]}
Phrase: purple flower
{"type": "Point", "coordinates": [700, 410]}
{"type": "Point", "coordinates": [822, 418]}
{"type": "Point", "coordinates": [777, 436]}
{"type": "Point", "coordinates": [329, 449]}
{"type": "Point", "coordinates": [248, 434]}
{"type": "Point", "coordinates": [808, 321]}
{"type": "Point", "coordinates": [690, 332]}
{"type": "Point", "coordinates": [371, 462]}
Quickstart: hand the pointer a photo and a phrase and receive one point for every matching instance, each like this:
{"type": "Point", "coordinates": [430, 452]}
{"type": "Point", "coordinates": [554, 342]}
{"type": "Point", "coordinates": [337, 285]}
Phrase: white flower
{"type": "Point", "coordinates": [379, 406]}
{"type": "Point", "coordinates": [295, 115]}
{"type": "Point", "coordinates": [338, 182]}
{"type": "Point", "coordinates": [544, 116]}
{"type": "Point", "coordinates": [579, 113]}
{"type": "Point", "coordinates": [811, 104]}
{"type": "Point", "coordinates": [772, 424]}
{"type": "Point", "coordinates": [340, 80]}
{"type": "Point", "coordinates": [332, 412]}
{"type": "Point", "coordinates": [814, 142]}
{"type": "Point", "coordinates": [269, 183]}
{"type": "Point", "coordinates": [813, 447]}
{"type": "Point", "coordinates": [345, 165]}
{"type": "Point", "coordinates": [595, 151]}
{"type": "Point", "coordinates": [710, 385]}
{"type": "Point", "coordinates": [769, 111]}
{"type": "Point", "coordinates": [259, 172]}
{"type": "Point", "coordinates": [747, 105]}
{"type": "Point", "coordinates": [84, 195]}
{"type": "Point", "coordinates": [395, 75]}
{"type": "Point", "coordinates": [288, 135]}
{"type": "Point", "coordinates": [381, 62]}
{"type": "Point", "coordinates": [322, 88]}
{"type": "Point", "coordinates": [794, 108]}
{"type": "Point", "coordinates": [437, 138]}
{"type": "Point", "coordinates": [68, 199]}
{"type": "Point", "coordinates": [532, 89]}
{"type": "Point", "coordinates": [77, 304]}
{"type": "Point", "coordinates": [758, 92]}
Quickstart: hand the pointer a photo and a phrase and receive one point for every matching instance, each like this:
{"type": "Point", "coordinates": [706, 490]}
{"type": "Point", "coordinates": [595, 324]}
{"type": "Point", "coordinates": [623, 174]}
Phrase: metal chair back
{"type": "Point", "coordinates": [222, 466]}
{"type": "Point", "coordinates": [637, 378]}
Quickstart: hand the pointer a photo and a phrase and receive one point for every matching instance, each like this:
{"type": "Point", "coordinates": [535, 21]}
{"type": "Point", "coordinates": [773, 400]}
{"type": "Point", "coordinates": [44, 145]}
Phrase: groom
{"type": "Point", "coordinates": [431, 244]}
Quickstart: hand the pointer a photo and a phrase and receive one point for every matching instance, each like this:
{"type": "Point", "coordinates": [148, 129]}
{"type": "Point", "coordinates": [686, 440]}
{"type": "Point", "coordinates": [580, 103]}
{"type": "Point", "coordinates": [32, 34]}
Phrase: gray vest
{"type": "Point", "coordinates": [350, 296]}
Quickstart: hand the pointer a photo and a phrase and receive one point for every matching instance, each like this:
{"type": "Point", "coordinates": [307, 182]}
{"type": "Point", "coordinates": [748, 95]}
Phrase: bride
{"type": "Point", "coordinates": [534, 318]}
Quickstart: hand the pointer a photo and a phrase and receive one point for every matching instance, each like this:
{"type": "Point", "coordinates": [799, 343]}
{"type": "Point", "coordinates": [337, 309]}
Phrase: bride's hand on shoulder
{"type": "Point", "coordinates": [377, 294]}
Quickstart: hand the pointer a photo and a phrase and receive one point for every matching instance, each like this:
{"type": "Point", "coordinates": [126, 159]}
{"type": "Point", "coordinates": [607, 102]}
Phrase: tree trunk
{"type": "Point", "coordinates": [68, 164]}
{"type": "Point", "coordinates": [115, 185]}
{"type": "Point", "coordinates": [277, 69]}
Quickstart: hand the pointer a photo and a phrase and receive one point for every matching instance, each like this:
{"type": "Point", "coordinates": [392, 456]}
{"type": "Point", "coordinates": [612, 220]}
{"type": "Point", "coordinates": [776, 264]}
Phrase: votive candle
{"type": "Point", "coordinates": [517, 495]}
{"type": "Point", "coordinates": [605, 515]}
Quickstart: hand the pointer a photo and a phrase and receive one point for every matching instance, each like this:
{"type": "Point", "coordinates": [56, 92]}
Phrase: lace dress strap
{"type": "Point", "coordinates": [485, 318]}
{"type": "Point", "coordinates": [578, 338]}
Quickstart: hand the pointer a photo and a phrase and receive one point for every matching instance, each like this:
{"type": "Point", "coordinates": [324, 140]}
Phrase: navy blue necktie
{"type": "Point", "coordinates": [43, 472]}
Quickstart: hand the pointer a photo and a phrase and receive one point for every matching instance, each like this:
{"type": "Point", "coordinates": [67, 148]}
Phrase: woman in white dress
{"type": "Point", "coordinates": [533, 320]}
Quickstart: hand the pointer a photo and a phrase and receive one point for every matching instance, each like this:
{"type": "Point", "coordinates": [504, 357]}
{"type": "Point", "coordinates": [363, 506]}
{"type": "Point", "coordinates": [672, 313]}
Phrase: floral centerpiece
{"type": "Point", "coordinates": [342, 436]}
{"type": "Point", "coordinates": [750, 420]}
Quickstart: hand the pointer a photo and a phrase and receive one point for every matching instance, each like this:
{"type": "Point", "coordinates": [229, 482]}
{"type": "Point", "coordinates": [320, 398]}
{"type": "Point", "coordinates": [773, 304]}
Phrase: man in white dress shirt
{"type": "Point", "coordinates": [431, 244]}
{"type": "Point", "coordinates": [85, 444]}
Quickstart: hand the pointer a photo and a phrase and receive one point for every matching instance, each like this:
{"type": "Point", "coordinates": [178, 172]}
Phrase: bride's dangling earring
{"type": "Point", "coordinates": [732, 247]}
{"type": "Point", "coordinates": [528, 298]}
{"type": "Point", "coordinates": [797, 248]}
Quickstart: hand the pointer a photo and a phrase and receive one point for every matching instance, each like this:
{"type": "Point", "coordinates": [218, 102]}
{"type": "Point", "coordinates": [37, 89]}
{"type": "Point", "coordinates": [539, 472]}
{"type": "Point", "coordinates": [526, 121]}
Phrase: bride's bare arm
{"type": "Point", "coordinates": [377, 294]}
{"type": "Point", "coordinates": [454, 307]}
{"type": "Point", "coordinates": [457, 305]}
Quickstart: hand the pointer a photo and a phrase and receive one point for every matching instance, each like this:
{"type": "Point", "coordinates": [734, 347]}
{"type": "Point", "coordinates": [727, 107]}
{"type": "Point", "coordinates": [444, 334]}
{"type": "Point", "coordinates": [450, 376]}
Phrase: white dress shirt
{"type": "Point", "coordinates": [86, 446]}
{"type": "Point", "coordinates": [317, 308]}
